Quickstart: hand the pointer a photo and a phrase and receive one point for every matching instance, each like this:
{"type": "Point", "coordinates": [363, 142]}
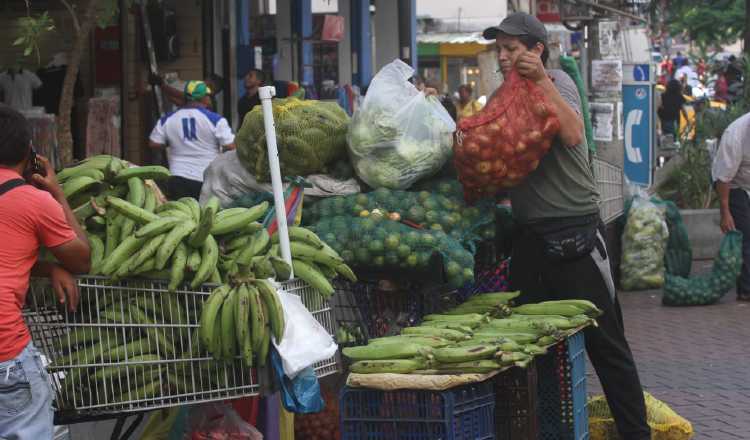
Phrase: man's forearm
{"type": "Point", "coordinates": [42, 269]}
{"type": "Point", "coordinates": [70, 217]}
{"type": "Point", "coordinates": [723, 190]}
{"type": "Point", "coordinates": [571, 124]}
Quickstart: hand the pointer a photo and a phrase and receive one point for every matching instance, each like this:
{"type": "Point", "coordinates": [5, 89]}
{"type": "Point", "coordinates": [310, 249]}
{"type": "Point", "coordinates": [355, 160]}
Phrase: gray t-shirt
{"type": "Point", "coordinates": [563, 185]}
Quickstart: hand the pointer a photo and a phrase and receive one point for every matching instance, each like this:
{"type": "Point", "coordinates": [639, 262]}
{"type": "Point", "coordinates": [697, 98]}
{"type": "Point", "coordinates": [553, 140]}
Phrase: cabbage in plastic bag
{"type": "Point", "coordinates": [399, 135]}
{"type": "Point", "coordinates": [643, 245]}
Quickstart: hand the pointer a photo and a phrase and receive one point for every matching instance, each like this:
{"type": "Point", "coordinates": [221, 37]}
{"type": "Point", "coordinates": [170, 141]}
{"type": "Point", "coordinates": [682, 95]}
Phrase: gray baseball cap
{"type": "Point", "coordinates": [518, 24]}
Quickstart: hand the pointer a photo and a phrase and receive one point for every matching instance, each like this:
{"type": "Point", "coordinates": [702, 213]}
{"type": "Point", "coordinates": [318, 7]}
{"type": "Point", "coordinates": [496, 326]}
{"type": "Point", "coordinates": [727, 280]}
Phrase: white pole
{"type": "Point", "coordinates": [266, 93]}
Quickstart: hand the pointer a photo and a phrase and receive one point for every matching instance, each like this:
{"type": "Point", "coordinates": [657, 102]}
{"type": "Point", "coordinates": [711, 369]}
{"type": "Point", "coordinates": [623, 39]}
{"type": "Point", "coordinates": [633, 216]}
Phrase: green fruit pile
{"type": "Point", "coordinates": [481, 335]}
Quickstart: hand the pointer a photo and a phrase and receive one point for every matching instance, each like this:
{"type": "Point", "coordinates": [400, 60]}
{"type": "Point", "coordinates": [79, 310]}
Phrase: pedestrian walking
{"type": "Point", "coordinates": [672, 106]}
{"type": "Point", "coordinates": [467, 105]}
{"type": "Point", "coordinates": [731, 173]}
{"type": "Point", "coordinates": [558, 204]}
{"type": "Point", "coordinates": [195, 136]}
{"type": "Point", "coordinates": [33, 214]}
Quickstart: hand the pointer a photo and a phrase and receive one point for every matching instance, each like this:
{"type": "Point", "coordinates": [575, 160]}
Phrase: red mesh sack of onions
{"type": "Point", "coordinates": [503, 143]}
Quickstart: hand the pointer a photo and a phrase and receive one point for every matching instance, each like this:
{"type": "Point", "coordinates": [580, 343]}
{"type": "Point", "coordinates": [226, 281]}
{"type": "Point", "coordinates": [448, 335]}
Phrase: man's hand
{"type": "Point", "coordinates": [530, 66]}
{"type": "Point", "coordinates": [727, 221]}
{"type": "Point", "coordinates": [48, 182]}
{"type": "Point", "coordinates": [65, 287]}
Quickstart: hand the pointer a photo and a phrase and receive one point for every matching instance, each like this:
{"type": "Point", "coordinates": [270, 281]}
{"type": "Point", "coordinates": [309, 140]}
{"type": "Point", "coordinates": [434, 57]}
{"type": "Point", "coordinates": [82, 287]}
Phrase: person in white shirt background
{"type": "Point", "coordinates": [17, 86]}
{"type": "Point", "coordinates": [195, 136]}
{"type": "Point", "coordinates": [731, 173]}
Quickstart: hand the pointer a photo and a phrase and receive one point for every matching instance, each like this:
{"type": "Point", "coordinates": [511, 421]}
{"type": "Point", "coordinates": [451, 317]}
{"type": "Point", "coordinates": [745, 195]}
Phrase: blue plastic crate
{"type": "Point", "coordinates": [462, 413]}
{"type": "Point", "coordinates": [561, 391]}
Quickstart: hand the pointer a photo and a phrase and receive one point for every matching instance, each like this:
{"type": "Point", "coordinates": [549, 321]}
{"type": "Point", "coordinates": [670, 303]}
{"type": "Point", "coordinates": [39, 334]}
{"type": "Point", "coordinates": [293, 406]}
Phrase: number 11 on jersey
{"type": "Point", "coordinates": [188, 129]}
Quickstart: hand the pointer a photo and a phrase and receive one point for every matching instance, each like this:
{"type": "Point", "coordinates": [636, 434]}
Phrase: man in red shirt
{"type": "Point", "coordinates": [33, 213]}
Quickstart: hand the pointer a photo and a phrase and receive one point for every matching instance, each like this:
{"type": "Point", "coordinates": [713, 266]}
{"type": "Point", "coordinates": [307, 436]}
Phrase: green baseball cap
{"type": "Point", "coordinates": [196, 90]}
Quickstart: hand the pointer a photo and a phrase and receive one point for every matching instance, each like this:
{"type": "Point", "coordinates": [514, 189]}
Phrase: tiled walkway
{"type": "Point", "coordinates": [696, 359]}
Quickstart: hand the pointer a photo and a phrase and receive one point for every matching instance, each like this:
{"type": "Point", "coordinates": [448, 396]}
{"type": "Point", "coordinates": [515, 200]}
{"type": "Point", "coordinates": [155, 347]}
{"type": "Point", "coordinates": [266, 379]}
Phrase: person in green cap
{"type": "Point", "coordinates": [559, 250]}
{"type": "Point", "coordinates": [195, 136]}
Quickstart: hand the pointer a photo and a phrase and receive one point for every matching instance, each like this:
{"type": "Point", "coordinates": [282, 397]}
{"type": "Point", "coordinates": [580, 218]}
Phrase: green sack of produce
{"type": "Point", "coordinates": [708, 288]}
{"type": "Point", "coordinates": [643, 246]}
{"type": "Point", "coordinates": [442, 209]}
{"type": "Point", "coordinates": [377, 242]}
{"type": "Point", "coordinates": [664, 422]}
{"type": "Point", "coordinates": [310, 136]}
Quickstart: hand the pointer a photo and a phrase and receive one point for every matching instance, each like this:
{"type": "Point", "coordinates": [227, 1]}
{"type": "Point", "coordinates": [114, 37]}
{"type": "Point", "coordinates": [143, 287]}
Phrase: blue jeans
{"type": "Point", "coordinates": [25, 397]}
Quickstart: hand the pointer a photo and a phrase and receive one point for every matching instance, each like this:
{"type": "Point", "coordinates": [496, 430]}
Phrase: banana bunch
{"type": "Point", "coordinates": [178, 240]}
{"type": "Point", "coordinates": [314, 261]}
{"type": "Point", "coordinates": [239, 320]}
{"type": "Point", "coordinates": [103, 348]}
{"type": "Point", "coordinates": [478, 336]}
{"type": "Point", "coordinates": [87, 184]}
{"type": "Point", "coordinates": [256, 254]}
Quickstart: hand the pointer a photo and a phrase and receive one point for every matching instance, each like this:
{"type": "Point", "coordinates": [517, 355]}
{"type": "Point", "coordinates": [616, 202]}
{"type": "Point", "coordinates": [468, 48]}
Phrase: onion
{"type": "Point", "coordinates": [540, 109]}
{"type": "Point", "coordinates": [521, 147]}
{"type": "Point", "coordinates": [484, 167]}
{"type": "Point", "coordinates": [551, 127]}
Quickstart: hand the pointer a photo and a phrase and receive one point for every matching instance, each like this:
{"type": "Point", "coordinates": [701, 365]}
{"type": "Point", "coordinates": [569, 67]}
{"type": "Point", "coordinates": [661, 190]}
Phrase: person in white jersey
{"type": "Point", "coordinates": [195, 136]}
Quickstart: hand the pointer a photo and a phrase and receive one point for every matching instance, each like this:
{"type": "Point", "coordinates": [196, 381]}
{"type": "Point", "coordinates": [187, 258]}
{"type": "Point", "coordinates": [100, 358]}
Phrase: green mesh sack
{"type": "Point", "coordinates": [678, 256]}
{"type": "Point", "coordinates": [707, 288]}
{"type": "Point", "coordinates": [376, 242]}
{"type": "Point", "coordinates": [310, 135]}
{"type": "Point", "coordinates": [442, 209]}
{"type": "Point", "coordinates": [570, 66]}
{"type": "Point", "coordinates": [643, 244]}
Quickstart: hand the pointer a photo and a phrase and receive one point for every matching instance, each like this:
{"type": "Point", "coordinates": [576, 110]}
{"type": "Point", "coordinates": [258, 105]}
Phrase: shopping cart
{"type": "Point", "coordinates": [132, 346]}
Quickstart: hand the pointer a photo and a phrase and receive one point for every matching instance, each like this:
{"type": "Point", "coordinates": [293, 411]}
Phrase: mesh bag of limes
{"type": "Point", "coordinates": [707, 288]}
{"type": "Point", "coordinates": [395, 229]}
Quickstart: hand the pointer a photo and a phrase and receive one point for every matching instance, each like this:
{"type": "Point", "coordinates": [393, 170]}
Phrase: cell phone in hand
{"type": "Point", "coordinates": [36, 165]}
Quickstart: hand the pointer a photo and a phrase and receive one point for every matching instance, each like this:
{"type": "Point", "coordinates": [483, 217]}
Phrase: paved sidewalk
{"type": "Point", "coordinates": [696, 359]}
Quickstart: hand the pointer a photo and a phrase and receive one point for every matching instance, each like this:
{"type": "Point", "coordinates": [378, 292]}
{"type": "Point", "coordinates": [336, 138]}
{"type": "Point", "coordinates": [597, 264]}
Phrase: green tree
{"type": "Point", "coordinates": [85, 14]}
{"type": "Point", "coordinates": [706, 24]}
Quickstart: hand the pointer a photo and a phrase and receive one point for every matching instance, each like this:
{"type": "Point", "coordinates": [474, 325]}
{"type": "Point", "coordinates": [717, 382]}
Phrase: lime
{"type": "Point", "coordinates": [391, 259]}
{"type": "Point", "coordinates": [412, 260]}
{"type": "Point", "coordinates": [403, 250]}
{"type": "Point", "coordinates": [392, 241]}
{"type": "Point", "coordinates": [362, 199]}
{"type": "Point", "coordinates": [452, 269]}
{"type": "Point", "coordinates": [375, 246]}
{"type": "Point", "coordinates": [378, 261]}
{"type": "Point", "coordinates": [362, 256]}
{"type": "Point", "coordinates": [347, 255]}
{"type": "Point", "coordinates": [431, 217]}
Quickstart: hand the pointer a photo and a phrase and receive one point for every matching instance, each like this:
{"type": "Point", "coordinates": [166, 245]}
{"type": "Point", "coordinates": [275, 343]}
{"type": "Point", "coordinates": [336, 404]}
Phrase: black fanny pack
{"type": "Point", "coordinates": [568, 238]}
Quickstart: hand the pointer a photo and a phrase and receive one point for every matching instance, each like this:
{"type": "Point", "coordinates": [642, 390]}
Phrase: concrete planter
{"type": "Point", "coordinates": [704, 231]}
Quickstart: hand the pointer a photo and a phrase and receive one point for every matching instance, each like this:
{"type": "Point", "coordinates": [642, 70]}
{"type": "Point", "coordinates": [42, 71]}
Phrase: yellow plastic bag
{"type": "Point", "coordinates": [664, 422]}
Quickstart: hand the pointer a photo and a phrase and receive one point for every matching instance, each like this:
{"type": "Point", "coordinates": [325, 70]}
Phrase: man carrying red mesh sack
{"type": "Point", "coordinates": [531, 136]}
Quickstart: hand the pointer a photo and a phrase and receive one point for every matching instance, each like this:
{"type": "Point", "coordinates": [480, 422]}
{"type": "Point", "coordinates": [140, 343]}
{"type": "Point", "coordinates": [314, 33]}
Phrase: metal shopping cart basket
{"type": "Point", "coordinates": [132, 346]}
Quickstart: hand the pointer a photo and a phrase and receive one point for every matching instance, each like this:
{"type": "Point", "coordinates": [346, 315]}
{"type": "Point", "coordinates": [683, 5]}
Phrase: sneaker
{"type": "Point", "coordinates": [743, 297]}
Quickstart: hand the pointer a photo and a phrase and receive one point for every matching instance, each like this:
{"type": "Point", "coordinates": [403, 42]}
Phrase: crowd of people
{"type": "Point", "coordinates": [720, 82]}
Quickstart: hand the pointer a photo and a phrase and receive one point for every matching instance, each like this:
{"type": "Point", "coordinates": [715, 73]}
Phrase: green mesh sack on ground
{"type": "Point", "coordinates": [707, 288]}
{"type": "Point", "coordinates": [643, 244]}
{"type": "Point", "coordinates": [310, 135]}
{"type": "Point", "coordinates": [376, 242]}
{"type": "Point", "coordinates": [442, 209]}
{"type": "Point", "coordinates": [678, 257]}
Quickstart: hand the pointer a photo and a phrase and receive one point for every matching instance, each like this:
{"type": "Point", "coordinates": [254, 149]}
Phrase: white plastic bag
{"type": "Point", "coordinates": [644, 242]}
{"type": "Point", "coordinates": [305, 341]}
{"type": "Point", "coordinates": [227, 179]}
{"type": "Point", "coordinates": [399, 135]}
